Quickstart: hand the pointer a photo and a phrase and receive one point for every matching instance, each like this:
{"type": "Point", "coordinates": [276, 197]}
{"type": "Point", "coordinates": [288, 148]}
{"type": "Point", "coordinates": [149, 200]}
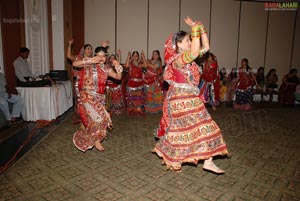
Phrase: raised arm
{"type": "Point", "coordinates": [117, 75]}
{"type": "Point", "coordinates": [86, 62]}
{"type": "Point", "coordinates": [143, 59]}
{"type": "Point", "coordinates": [195, 50]}
{"type": "Point", "coordinates": [127, 62]}
{"type": "Point", "coordinates": [69, 51]}
{"type": "Point", "coordinates": [119, 55]}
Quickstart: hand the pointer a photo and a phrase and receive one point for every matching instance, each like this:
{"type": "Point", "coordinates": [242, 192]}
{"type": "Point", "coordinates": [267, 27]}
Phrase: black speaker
{"type": "Point", "coordinates": [59, 75]}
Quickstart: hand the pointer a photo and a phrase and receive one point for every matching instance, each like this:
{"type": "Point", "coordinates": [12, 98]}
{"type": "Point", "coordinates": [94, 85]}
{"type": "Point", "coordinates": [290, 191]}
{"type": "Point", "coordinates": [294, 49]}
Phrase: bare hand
{"type": "Point", "coordinates": [119, 52]}
{"type": "Point", "coordinates": [104, 43]}
{"type": "Point", "coordinates": [71, 42]}
{"type": "Point", "coordinates": [115, 63]}
{"type": "Point", "coordinates": [95, 60]}
{"type": "Point", "coordinates": [190, 22]}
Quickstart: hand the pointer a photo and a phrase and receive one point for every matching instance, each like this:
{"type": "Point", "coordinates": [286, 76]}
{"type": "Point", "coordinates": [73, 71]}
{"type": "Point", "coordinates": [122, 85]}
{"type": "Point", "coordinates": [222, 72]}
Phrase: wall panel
{"type": "Point", "coordinates": [253, 28]}
{"type": "Point", "coordinates": [280, 41]}
{"type": "Point", "coordinates": [196, 9]}
{"type": "Point", "coordinates": [160, 24]}
{"type": "Point", "coordinates": [99, 22]}
{"type": "Point", "coordinates": [132, 23]}
{"type": "Point", "coordinates": [224, 32]}
{"type": "Point", "coordinates": [296, 48]}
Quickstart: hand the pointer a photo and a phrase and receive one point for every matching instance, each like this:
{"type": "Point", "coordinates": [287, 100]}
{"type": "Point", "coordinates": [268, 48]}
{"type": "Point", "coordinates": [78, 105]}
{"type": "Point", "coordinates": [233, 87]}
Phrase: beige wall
{"type": "Point", "coordinates": [296, 47]}
{"type": "Point", "coordinates": [224, 32]}
{"type": "Point", "coordinates": [99, 22]}
{"type": "Point", "coordinates": [237, 30]}
{"type": "Point", "coordinates": [280, 41]}
{"type": "Point", "coordinates": [196, 9]}
{"type": "Point", "coordinates": [132, 32]}
{"type": "Point", "coordinates": [253, 29]}
{"type": "Point", "coordinates": [162, 24]}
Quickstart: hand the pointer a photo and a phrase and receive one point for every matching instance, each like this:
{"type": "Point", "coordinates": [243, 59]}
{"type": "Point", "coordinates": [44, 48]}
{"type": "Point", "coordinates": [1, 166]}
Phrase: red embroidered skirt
{"type": "Point", "coordinates": [187, 131]}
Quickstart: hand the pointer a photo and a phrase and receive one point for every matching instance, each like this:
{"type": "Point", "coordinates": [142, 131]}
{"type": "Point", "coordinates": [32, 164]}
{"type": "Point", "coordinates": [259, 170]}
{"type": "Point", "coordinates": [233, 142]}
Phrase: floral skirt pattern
{"type": "Point", "coordinates": [115, 100]}
{"type": "Point", "coordinates": [135, 101]}
{"type": "Point", "coordinates": [153, 98]}
{"type": "Point", "coordinates": [190, 133]}
{"type": "Point", "coordinates": [95, 120]}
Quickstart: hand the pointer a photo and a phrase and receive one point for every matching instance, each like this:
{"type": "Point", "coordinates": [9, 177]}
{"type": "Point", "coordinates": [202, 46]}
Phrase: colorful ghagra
{"type": "Point", "coordinates": [187, 132]}
{"type": "Point", "coordinates": [244, 89]}
{"type": "Point", "coordinates": [153, 90]}
{"type": "Point", "coordinates": [210, 81]}
{"type": "Point", "coordinates": [93, 114]}
{"type": "Point", "coordinates": [114, 96]}
{"type": "Point", "coordinates": [135, 91]}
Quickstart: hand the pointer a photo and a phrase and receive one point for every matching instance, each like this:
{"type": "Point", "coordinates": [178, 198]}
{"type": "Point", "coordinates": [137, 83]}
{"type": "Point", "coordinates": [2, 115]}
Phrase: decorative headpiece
{"type": "Point", "coordinates": [101, 53]}
{"type": "Point", "coordinates": [170, 49]}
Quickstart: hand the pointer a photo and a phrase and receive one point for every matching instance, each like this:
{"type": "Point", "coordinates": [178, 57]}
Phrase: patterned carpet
{"type": "Point", "coordinates": [264, 163]}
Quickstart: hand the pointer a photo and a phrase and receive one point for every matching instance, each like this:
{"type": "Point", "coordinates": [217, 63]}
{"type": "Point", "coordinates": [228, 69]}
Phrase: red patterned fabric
{"type": "Point", "coordinates": [153, 90]}
{"type": "Point", "coordinates": [170, 50]}
{"type": "Point", "coordinates": [91, 108]}
{"type": "Point", "coordinates": [114, 96]}
{"type": "Point", "coordinates": [135, 92]}
{"type": "Point", "coordinates": [245, 79]}
{"type": "Point", "coordinates": [210, 74]}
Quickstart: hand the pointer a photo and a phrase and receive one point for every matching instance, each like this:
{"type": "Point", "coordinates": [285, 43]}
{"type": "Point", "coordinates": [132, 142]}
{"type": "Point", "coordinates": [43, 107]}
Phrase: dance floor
{"type": "Point", "coordinates": [264, 164]}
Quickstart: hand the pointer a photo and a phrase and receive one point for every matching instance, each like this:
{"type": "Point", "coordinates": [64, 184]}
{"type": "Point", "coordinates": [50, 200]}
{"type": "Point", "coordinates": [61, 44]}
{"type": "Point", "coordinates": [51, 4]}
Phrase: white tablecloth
{"type": "Point", "coordinates": [46, 103]}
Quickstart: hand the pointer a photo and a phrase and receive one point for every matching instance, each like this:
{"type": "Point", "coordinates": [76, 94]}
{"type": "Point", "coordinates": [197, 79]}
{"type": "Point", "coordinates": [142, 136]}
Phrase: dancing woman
{"type": "Point", "coordinates": [94, 117]}
{"type": "Point", "coordinates": [135, 84]}
{"type": "Point", "coordinates": [187, 132]}
{"type": "Point", "coordinates": [244, 89]}
{"type": "Point", "coordinates": [114, 93]}
{"type": "Point", "coordinates": [210, 80]}
{"type": "Point", "coordinates": [85, 53]}
{"type": "Point", "coordinates": [152, 84]}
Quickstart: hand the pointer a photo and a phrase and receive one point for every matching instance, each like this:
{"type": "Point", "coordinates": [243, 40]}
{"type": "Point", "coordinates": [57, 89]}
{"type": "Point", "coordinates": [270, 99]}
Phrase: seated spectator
{"type": "Point", "coordinates": [260, 79]}
{"type": "Point", "coordinates": [223, 83]}
{"type": "Point", "coordinates": [22, 69]}
{"type": "Point", "coordinates": [6, 98]}
{"type": "Point", "coordinates": [271, 79]}
{"type": "Point", "coordinates": [271, 83]}
{"type": "Point", "coordinates": [288, 88]}
{"type": "Point", "coordinates": [231, 85]}
{"type": "Point", "coordinates": [297, 93]}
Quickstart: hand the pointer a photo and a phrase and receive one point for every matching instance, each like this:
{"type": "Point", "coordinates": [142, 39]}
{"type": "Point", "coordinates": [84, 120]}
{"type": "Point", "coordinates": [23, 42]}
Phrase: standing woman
{"type": "Point", "coordinates": [244, 88]}
{"type": "Point", "coordinates": [94, 117]}
{"type": "Point", "coordinates": [152, 84]}
{"type": "Point", "coordinates": [210, 80]}
{"type": "Point", "coordinates": [114, 94]}
{"type": "Point", "coordinates": [86, 52]}
{"type": "Point", "coordinates": [187, 132]}
{"type": "Point", "coordinates": [135, 84]}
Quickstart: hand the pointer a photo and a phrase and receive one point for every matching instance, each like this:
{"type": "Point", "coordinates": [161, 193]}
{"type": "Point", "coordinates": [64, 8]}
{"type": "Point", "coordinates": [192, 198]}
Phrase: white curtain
{"type": "Point", "coordinates": [36, 31]}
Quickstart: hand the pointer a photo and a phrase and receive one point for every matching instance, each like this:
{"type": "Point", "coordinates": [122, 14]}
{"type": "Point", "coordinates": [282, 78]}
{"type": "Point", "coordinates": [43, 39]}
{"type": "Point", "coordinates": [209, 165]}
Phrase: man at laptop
{"type": "Point", "coordinates": [22, 69]}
